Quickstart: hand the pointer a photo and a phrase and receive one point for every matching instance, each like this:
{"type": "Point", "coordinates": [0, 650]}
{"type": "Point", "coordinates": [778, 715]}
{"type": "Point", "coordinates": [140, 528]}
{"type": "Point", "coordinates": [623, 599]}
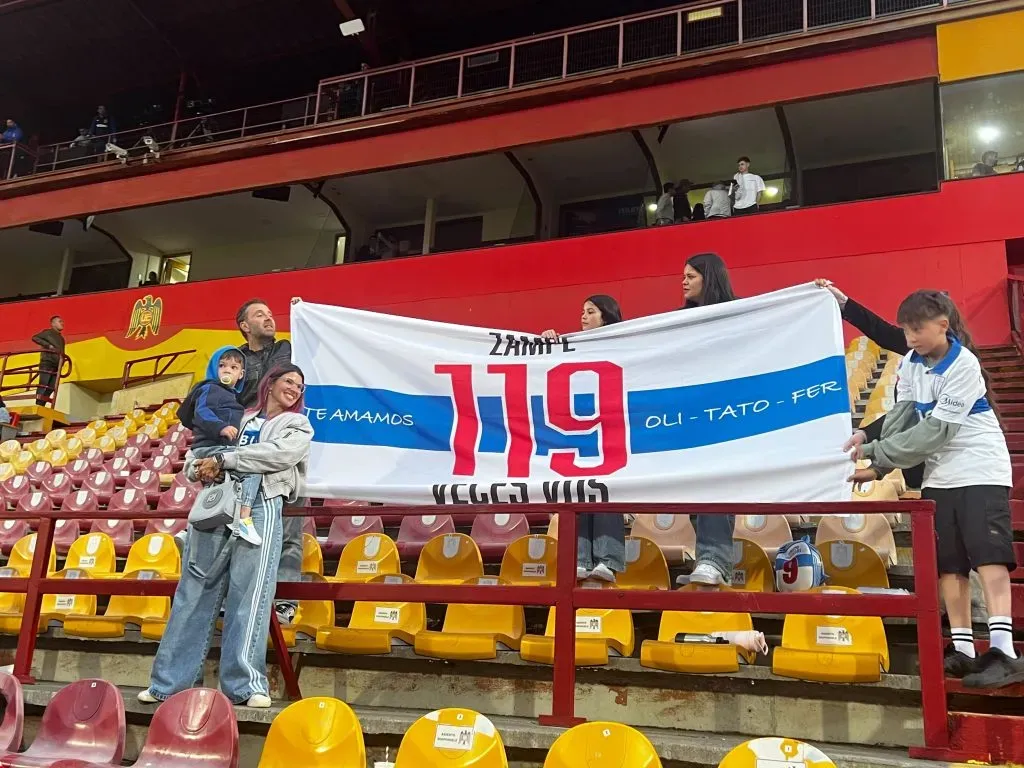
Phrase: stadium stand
{"type": "Point", "coordinates": [374, 627]}
{"type": "Point", "coordinates": [474, 631]}
{"type": "Point", "coordinates": [315, 732]}
{"type": "Point", "coordinates": [452, 738]}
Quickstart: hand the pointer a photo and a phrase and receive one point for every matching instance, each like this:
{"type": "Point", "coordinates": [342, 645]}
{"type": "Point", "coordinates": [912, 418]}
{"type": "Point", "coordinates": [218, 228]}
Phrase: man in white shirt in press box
{"type": "Point", "coordinates": [749, 188]}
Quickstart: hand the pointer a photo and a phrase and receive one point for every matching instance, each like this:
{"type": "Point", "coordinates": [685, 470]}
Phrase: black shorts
{"type": "Point", "coordinates": [973, 527]}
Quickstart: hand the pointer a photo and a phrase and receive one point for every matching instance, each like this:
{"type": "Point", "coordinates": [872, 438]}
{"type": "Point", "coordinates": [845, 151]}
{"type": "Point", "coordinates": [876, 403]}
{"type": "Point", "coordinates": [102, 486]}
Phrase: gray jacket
{"type": "Point", "coordinates": [907, 440]}
{"type": "Point", "coordinates": [280, 455]}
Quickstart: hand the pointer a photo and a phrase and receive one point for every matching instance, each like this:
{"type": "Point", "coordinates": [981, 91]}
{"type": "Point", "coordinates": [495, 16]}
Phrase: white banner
{"type": "Point", "coordinates": [742, 401]}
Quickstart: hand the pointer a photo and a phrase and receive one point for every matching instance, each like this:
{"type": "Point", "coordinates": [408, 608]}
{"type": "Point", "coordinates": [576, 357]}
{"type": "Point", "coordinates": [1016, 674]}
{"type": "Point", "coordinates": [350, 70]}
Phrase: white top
{"type": "Point", "coordinates": [953, 391]}
{"type": "Point", "coordinates": [747, 187]}
{"type": "Point", "coordinates": [666, 208]}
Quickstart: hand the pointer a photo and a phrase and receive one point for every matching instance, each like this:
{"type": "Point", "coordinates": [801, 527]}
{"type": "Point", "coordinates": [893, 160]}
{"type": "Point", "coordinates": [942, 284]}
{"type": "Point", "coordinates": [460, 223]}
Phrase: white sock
{"type": "Point", "coordinates": [963, 640]}
{"type": "Point", "coordinates": [1000, 634]}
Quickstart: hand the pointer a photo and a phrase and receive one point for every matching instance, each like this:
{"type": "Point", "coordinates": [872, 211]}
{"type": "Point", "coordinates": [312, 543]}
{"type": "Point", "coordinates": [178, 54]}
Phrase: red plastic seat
{"type": "Point", "coordinates": [180, 479]}
{"type": "Point", "coordinates": [65, 533]}
{"type": "Point", "coordinates": [170, 526]}
{"type": "Point", "coordinates": [416, 530]}
{"type": "Point", "coordinates": [84, 721]}
{"type": "Point", "coordinates": [14, 718]}
{"type": "Point", "coordinates": [95, 458]}
{"type": "Point", "coordinates": [101, 484]}
{"type": "Point", "coordinates": [58, 487]}
{"type": "Point", "coordinates": [344, 529]}
{"type": "Point", "coordinates": [38, 471]}
{"type": "Point", "coordinates": [161, 465]}
{"type": "Point", "coordinates": [14, 488]}
{"type": "Point", "coordinates": [129, 500]}
{"type": "Point", "coordinates": [309, 526]}
{"type": "Point", "coordinates": [134, 456]}
{"type": "Point", "coordinates": [143, 442]}
{"type": "Point", "coordinates": [168, 451]}
{"type": "Point", "coordinates": [493, 533]}
{"type": "Point", "coordinates": [10, 532]}
{"type": "Point", "coordinates": [82, 500]}
{"type": "Point", "coordinates": [326, 521]}
{"type": "Point", "coordinates": [179, 438]}
{"type": "Point", "coordinates": [78, 472]}
{"type": "Point", "coordinates": [147, 482]}
{"type": "Point", "coordinates": [119, 468]}
{"type": "Point", "coordinates": [176, 499]}
{"type": "Point", "coordinates": [34, 504]}
{"type": "Point", "coordinates": [120, 531]}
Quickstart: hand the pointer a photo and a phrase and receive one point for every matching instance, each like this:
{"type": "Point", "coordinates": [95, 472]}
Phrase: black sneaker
{"type": "Point", "coordinates": [994, 670]}
{"type": "Point", "coordinates": [957, 663]}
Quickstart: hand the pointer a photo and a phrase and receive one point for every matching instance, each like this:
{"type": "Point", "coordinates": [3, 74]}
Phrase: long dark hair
{"type": "Point", "coordinates": [268, 381]}
{"type": "Point", "coordinates": [717, 286]}
{"type": "Point", "coordinates": [607, 306]}
{"type": "Point", "coordinates": [924, 305]}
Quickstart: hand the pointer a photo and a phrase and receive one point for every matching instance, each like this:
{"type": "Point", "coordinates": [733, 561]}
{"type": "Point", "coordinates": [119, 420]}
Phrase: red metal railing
{"type": "Point", "coordinates": [922, 605]}
{"type": "Point", "coordinates": [160, 365]}
{"type": "Point", "coordinates": [26, 376]}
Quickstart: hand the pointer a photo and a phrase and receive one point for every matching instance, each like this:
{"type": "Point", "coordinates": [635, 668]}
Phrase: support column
{"type": "Point", "coordinates": [429, 219]}
{"type": "Point", "coordinates": [65, 270]}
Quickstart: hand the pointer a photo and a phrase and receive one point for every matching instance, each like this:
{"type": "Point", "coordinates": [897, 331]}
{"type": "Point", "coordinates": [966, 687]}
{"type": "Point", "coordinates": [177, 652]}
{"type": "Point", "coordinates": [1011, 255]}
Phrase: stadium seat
{"type": "Point", "coordinates": [57, 487]}
{"type": "Point", "coordinates": [493, 533]}
{"type": "Point", "coordinates": [318, 732]}
{"type": "Point", "coordinates": [832, 649]}
{"type": "Point", "coordinates": [13, 723]}
{"type": "Point", "coordinates": [121, 532]}
{"type": "Point", "coordinates": [774, 751]}
{"type": "Point", "coordinates": [344, 529]}
{"type": "Point", "coordinates": [129, 500]}
{"type": "Point", "coordinates": [105, 444]}
{"type": "Point", "coordinates": [177, 498]}
{"type": "Point", "coordinates": [666, 654]}
{"type": "Point", "coordinates": [133, 454]}
{"type": "Point", "coordinates": [119, 468]}
{"type": "Point", "coordinates": [451, 558]}
{"type": "Point", "coordinates": [168, 525]}
{"type": "Point", "coordinates": [367, 556]}
{"type": "Point", "coordinates": [87, 436]}
{"type": "Point", "coordinates": [99, 426]}
{"type": "Point", "coordinates": [452, 738]}
{"type": "Point", "coordinates": [143, 442]}
{"type": "Point", "coordinates": [195, 727]}
{"type": "Point", "coordinates": [179, 438]}
{"type": "Point", "coordinates": [123, 612]}
{"type": "Point", "coordinates": [59, 458]}
{"type": "Point", "coordinates": [81, 501]}
{"type": "Point", "coordinates": [7, 471]}
{"type": "Point", "coordinates": [102, 484]}
{"type": "Point", "coordinates": [674, 534]}
{"type": "Point", "coordinates": [9, 449]}
{"type": "Point", "coordinates": [84, 721]}
{"type": "Point", "coordinates": [34, 504]}
{"type": "Point", "coordinates": [179, 480]}
{"type": "Point", "coordinates": [416, 530]}
{"type": "Point", "coordinates": [57, 438]}
{"type": "Point", "coordinates": [474, 631]}
{"type": "Point", "coordinates": [147, 481]}
{"type": "Point", "coordinates": [22, 554]}
{"type": "Point", "coordinates": [752, 569]}
{"type": "Point", "coordinates": [93, 553]}
{"type": "Point", "coordinates": [310, 617]}
{"type": "Point", "coordinates": [309, 527]}
{"type": "Point", "coordinates": [155, 552]}
{"type": "Point", "coordinates": [169, 451]}
{"type": "Point", "coordinates": [873, 530]}
{"type": "Point", "coordinates": [312, 557]}
{"type": "Point", "coordinates": [10, 532]}
{"type": "Point", "coordinates": [645, 566]}
{"type": "Point", "coordinates": [159, 464]}
{"type": "Point", "coordinates": [531, 561]}
{"type": "Point", "coordinates": [95, 458]}
{"type": "Point", "coordinates": [602, 745]}
{"type": "Point", "coordinates": [38, 471]}
{"type": "Point", "coordinates": [78, 472]}
{"type": "Point", "coordinates": [40, 449]}
{"type": "Point", "coordinates": [15, 488]}
{"type": "Point", "coordinates": [73, 448]}
{"type": "Point", "coordinates": [767, 531]}
{"type": "Point", "coordinates": [374, 627]}
{"type": "Point", "coordinates": [599, 632]}
{"type": "Point", "coordinates": [21, 461]}
{"type": "Point", "coordinates": [852, 564]}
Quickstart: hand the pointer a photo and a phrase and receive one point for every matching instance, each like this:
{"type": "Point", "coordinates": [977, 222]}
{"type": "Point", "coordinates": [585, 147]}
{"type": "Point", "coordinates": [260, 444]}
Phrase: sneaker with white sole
{"type": "Point", "coordinates": [603, 573]}
{"type": "Point", "coordinates": [258, 701]}
{"type": "Point", "coordinates": [582, 573]}
{"type": "Point", "coordinates": [707, 574]}
{"type": "Point", "coordinates": [246, 531]}
{"type": "Point", "coordinates": [147, 697]}
{"type": "Point", "coordinates": [285, 613]}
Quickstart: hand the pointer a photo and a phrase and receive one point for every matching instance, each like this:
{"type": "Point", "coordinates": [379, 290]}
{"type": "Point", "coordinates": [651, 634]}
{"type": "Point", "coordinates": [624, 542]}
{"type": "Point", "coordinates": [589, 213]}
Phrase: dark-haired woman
{"type": "Point", "coordinates": [601, 539]}
{"type": "Point", "coordinates": [705, 282]}
{"type": "Point", "coordinates": [221, 569]}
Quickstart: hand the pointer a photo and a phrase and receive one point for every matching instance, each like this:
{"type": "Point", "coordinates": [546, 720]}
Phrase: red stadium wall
{"type": "Point", "coordinates": [877, 251]}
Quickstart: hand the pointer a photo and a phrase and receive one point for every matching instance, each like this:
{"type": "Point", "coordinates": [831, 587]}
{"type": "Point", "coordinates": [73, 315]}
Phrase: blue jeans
{"type": "Point", "coordinates": [222, 569]}
{"type": "Point", "coordinates": [249, 484]}
{"type": "Point", "coordinates": [714, 541]}
{"type": "Point", "coordinates": [290, 568]}
{"type": "Point", "coordinates": [601, 539]}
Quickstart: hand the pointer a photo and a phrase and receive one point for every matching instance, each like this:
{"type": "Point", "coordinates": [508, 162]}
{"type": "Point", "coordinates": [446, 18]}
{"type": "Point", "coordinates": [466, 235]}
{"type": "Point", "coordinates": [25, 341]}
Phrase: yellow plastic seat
{"type": "Point", "coordinates": [159, 425]}
{"type": "Point", "coordinates": [124, 612]}
{"type": "Point", "coordinates": [832, 649]}
{"type": "Point", "coordinates": [24, 551]}
{"type": "Point", "coordinates": [752, 568]}
{"type": "Point", "coordinates": [7, 471]}
{"type": "Point", "coordinates": [98, 426]}
{"type": "Point", "coordinates": [665, 653]}
{"type": "Point", "coordinates": [74, 447]}
{"type": "Point", "coordinates": [775, 751]}
{"type": "Point", "coordinates": [310, 617]}
{"type": "Point", "coordinates": [767, 531]}
{"type": "Point", "coordinates": [599, 633]}
{"type": "Point", "coordinates": [107, 445]}
{"type": "Point", "coordinates": [40, 449]}
{"type": "Point", "coordinates": [452, 738]}
{"type": "Point", "coordinates": [366, 557]}
{"type": "Point", "coordinates": [474, 631]}
{"type": "Point", "coordinates": [152, 430]}
{"type": "Point", "coordinates": [59, 458]}
{"type": "Point", "coordinates": [137, 416]}
{"type": "Point", "coordinates": [531, 561]}
{"type": "Point", "coordinates": [645, 566]}
{"type": "Point", "coordinates": [872, 530]}
{"type": "Point", "coordinates": [155, 552]}
{"type": "Point", "coordinates": [312, 556]}
{"type": "Point", "coordinates": [602, 745]}
{"type": "Point", "coordinates": [318, 732]}
{"type": "Point", "coordinates": [451, 558]}
{"type": "Point", "coordinates": [852, 564]}
{"type": "Point", "coordinates": [87, 437]}
{"type": "Point", "coordinates": [375, 627]}
{"type": "Point", "coordinates": [92, 553]}
{"type": "Point", "coordinates": [119, 435]}
{"type": "Point", "coordinates": [57, 438]}
{"type": "Point", "coordinates": [22, 461]}
{"type": "Point", "coordinates": [9, 449]}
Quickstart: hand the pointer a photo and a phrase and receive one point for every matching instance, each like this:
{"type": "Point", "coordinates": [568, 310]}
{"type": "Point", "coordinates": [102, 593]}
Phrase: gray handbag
{"type": "Point", "coordinates": [215, 506]}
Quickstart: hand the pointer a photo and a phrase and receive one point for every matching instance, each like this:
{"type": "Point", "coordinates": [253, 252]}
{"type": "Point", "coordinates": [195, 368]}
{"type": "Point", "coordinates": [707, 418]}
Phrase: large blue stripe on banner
{"type": "Point", "coordinates": [659, 419]}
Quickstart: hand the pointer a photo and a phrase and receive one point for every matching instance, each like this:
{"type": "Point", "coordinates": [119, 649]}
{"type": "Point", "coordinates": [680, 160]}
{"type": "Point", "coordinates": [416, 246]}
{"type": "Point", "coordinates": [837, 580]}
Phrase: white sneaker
{"type": "Point", "coordinates": [582, 573]}
{"type": "Point", "coordinates": [246, 531]}
{"type": "Point", "coordinates": [146, 697]}
{"type": "Point", "coordinates": [258, 701]}
{"type": "Point", "coordinates": [603, 573]}
{"type": "Point", "coordinates": [706, 573]}
{"type": "Point", "coordinates": [285, 613]}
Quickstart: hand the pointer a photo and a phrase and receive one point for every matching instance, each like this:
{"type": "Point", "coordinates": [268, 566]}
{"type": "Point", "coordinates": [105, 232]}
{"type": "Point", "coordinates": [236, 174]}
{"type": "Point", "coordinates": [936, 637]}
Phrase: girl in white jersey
{"type": "Point", "coordinates": [943, 416]}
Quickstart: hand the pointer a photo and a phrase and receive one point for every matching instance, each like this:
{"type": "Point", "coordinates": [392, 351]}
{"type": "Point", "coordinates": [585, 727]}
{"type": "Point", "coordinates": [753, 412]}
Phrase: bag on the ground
{"type": "Point", "coordinates": [215, 505]}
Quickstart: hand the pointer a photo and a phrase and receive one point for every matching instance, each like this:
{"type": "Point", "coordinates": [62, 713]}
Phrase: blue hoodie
{"type": "Point", "coordinates": [213, 406]}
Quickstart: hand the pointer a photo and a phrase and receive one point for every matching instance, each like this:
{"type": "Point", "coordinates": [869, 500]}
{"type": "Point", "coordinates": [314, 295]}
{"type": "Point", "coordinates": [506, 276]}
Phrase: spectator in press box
{"type": "Point", "coordinates": [681, 201]}
{"type": "Point", "coordinates": [103, 127]}
{"type": "Point", "coordinates": [51, 341]}
{"type": "Point", "coordinates": [12, 133]}
{"type": "Point", "coordinates": [749, 188]}
{"type": "Point", "coordinates": [664, 213]}
{"type": "Point", "coordinates": [987, 166]}
{"type": "Point", "coordinates": [717, 202]}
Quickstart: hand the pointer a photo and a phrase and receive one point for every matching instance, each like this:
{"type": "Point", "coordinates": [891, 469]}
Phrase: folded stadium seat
{"type": "Point", "coordinates": [318, 732]}
{"type": "Point", "coordinates": [160, 464]}
{"type": "Point", "coordinates": [40, 449]}
{"type": "Point", "coordinates": [134, 457]}
{"type": "Point", "coordinates": [65, 534]}
{"type": "Point", "coordinates": [21, 461]}
{"type": "Point", "coordinates": [9, 449]}
{"type": "Point", "coordinates": [312, 557]}
{"type": "Point", "coordinates": [129, 500]}
{"type": "Point", "coordinates": [119, 435]}
{"type": "Point", "coordinates": [81, 501]}
{"type": "Point", "coordinates": [168, 451]}
{"type": "Point", "coordinates": [180, 480]}
{"type": "Point", "coordinates": [57, 487]}
{"type": "Point", "coordinates": [120, 470]}
{"type": "Point", "coordinates": [179, 438]}
{"type": "Point", "coordinates": [34, 504]}
{"type": "Point", "coordinates": [752, 568]}
{"type": "Point", "coordinates": [853, 564]}
{"type": "Point", "coordinates": [666, 654]}
{"type": "Point", "coordinates": [95, 458]}
{"type": "Point", "coordinates": [344, 529]}
{"type": "Point", "coordinates": [889, 488]}
{"type": "Point", "coordinates": [55, 608]}
{"type": "Point", "coordinates": [452, 738]}
{"type": "Point", "coordinates": [873, 530]}
{"type": "Point", "coordinates": [768, 531]}
{"type": "Point", "coordinates": [147, 482]}
{"type": "Point", "coordinates": [493, 533]}
{"type": "Point", "coordinates": [600, 632]}
{"type": "Point", "coordinates": [309, 526]}
{"type": "Point", "coordinates": [169, 525]}
{"type": "Point", "coordinates": [78, 472]}
{"type": "Point", "coordinates": [673, 533]}
{"type": "Point", "coordinates": [374, 627]}
{"type": "Point", "coordinates": [87, 436]}
{"type": "Point", "coordinates": [14, 716]}
{"type": "Point", "coordinates": [38, 471]}
{"type": "Point", "coordinates": [451, 558]}
{"type": "Point", "coordinates": [22, 553]}
{"type": "Point", "coordinates": [10, 532]}
{"type": "Point", "coordinates": [531, 561]}
{"type": "Point", "coordinates": [832, 649]}
{"type": "Point", "coordinates": [106, 445]}
{"type": "Point", "coordinates": [99, 426]}
{"type": "Point", "coordinates": [177, 498]}
{"type": "Point", "coordinates": [120, 532]}
{"type": "Point", "coordinates": [84, 721]}
{"type": "Point", "coordinates": [74, 448]}
{"type": "Point", "coordinates": [602, 745]}
{"type": "Point", "coordinates": [416, 530]}
{"type": "Point", "coordinates": [367, 556]}
{"type": "Point", "coordinates": [474, 631]}
{"type": "Point", "coordinates": [310, 617]}
{"type": "Point", "coordinates": [101, 484]}
{"type": "Point", "coordinates": [156, 429]}
{"type": "Point", "coordinates": [15, 488]}
{"type": "Point", "coordinates": [147, 614]}
{"type": "Point", "coordinates": [59, 458]}
{"type": "Point", "coordinates": [645, 566]}
{"type": "Point", "coordinates": [144, 444]}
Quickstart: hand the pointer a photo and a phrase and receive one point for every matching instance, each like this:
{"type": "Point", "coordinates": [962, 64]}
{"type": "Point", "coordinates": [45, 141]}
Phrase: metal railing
{"type": "Point", "coordinates": [20, 381]}
{"type": "Point", "coordinates": [161, 363]}
{"type": "Point", "coordinates": [16, 160]}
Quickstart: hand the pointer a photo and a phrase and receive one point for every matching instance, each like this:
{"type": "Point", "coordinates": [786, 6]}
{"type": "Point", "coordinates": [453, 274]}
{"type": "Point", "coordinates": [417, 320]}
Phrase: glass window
{"type": "Point", "coordinates": [983, 126]}
{"type": "Point", "coordinates": [175, 268]}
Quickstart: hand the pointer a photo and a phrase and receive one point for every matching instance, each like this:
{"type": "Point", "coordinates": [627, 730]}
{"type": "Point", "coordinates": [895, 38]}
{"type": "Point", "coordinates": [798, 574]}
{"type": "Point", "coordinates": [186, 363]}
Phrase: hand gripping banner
{"type": "Point", "coordinates": [742, 401]}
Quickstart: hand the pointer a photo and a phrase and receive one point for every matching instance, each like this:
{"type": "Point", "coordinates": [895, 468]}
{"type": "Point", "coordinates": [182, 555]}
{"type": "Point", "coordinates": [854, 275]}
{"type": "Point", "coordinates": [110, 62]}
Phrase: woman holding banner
{"type": "Point", "coordinates": [601, 539]}
{"type": "Point", "coordinates": [705, 282]}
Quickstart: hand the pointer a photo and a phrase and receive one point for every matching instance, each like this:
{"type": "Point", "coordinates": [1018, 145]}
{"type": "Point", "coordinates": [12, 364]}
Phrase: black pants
{"type": "Point", "coordinates": [915, 475]}
{"type": "Point", "coordinates": [47, 383]}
